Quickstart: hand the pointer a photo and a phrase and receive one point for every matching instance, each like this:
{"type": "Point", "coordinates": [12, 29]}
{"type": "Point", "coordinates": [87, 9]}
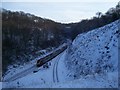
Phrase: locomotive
{"type": "Point", "coordinates": [50, 56]}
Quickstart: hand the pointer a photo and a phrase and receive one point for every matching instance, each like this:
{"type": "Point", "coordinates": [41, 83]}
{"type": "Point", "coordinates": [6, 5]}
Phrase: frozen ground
{"type": "Point", "coordinates": [91, 61]}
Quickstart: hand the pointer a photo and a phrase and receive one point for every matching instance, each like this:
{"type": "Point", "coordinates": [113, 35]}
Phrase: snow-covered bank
{"type": "Point", "coordinates": [95, 52]}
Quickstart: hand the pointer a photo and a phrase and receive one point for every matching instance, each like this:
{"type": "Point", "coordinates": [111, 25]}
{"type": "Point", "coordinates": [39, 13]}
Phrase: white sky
{"type": "Point", "coordinates": [59, 0]}
{"type": "Point", "coordinates": [64, 11]}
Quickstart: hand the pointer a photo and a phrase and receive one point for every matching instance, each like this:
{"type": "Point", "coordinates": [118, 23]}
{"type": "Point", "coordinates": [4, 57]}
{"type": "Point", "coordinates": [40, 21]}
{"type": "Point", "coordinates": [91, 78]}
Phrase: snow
{"type": "Point", "coordinates": [91, 61]}
{"type": "Point", "coordinates": [94, 52]}
{"type": "Point", "coordinates": [62, 69]}
{"type": "Point", "coordinates": [96, 81]}
{"type": "Point", "coordinates": [35, 20]}
{"type": "Point", "coordinates": [13, 71]}
{"type": "Point", "coordinates": [0, 85]}
{"type": "Point", "coordinates": [41, 79]}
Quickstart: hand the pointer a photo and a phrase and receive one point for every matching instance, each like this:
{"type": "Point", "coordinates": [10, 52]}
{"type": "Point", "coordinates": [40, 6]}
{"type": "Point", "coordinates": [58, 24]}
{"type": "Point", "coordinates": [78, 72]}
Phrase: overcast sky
{"type": "Point", "coordinates": [64, 11]}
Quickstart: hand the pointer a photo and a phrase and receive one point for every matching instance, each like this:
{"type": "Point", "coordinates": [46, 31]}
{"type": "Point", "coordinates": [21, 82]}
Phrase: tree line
{"type": "Point", "coordinates": [97, 21]}
{"type": "Point", "coordinates": [24, 34]}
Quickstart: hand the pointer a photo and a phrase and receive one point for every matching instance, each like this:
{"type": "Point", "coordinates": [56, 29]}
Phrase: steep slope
{"type": "Point", "coordinates": [92, 59]}
{"type": "Point", "coordinates": [95, 52]}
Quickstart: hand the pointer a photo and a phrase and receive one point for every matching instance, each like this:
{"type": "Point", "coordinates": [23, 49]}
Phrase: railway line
{"type": "Point", "coordinates": [41, 62]}
{"type": "Point", "coordinates": [21, 74]}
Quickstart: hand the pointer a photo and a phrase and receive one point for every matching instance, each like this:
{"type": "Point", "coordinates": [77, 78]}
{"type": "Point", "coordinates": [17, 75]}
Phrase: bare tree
{"type": "Point", "coordinates": [99, 14]}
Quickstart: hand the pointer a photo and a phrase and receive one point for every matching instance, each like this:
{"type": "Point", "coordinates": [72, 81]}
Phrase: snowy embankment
{"type": "Point", "coordinates": [91, 61]}
{"type": "Point", "coordinates": [95, 53]}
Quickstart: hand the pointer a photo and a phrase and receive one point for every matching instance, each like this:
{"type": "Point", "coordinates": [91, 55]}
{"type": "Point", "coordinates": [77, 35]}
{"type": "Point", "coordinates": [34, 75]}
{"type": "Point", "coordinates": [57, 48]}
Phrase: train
{"type": "Point", "coordinates": [50, 56]}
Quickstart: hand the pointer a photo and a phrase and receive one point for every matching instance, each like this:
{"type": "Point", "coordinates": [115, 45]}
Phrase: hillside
{"type": "Point", "coordinates": [94, 52]}
{"type": "Point", "coordinates": [26, 37]}
{"type": "Point", "coordinates": [90, 61]}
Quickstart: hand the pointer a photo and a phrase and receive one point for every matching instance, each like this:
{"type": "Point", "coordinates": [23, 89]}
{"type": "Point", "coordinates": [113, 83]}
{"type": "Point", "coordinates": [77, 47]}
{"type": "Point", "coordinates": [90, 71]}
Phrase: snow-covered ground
{"type": "Point", "coordinates": [90, 62]}
{"type": "Point", "coordinates": [0, 85]}
{"type": "Point", "coordinates": [95, 52]}
{"type": "Point", "coordinates": [97, 81]}
{"type": "Point", "coordinates": [14, 71]}
{"type": "Point", "coordinates": [44, 78]}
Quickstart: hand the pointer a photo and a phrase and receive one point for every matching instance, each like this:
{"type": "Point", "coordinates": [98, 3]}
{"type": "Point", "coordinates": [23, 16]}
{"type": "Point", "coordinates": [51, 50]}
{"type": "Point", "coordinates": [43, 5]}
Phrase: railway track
{"type": "Point", "coordinates": [21, 74]}
{"type": "Point", "coordinates": [45, 59]}
{"type": "Point", "coordinates": [55, 74]}
{"type": "Point", "coordinates": [55, 69]}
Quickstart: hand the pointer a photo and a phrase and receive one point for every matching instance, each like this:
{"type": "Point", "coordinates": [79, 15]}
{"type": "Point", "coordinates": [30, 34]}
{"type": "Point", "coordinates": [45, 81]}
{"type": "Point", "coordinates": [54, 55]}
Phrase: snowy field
{"type": "Point", "coordinates": [90, 62]}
